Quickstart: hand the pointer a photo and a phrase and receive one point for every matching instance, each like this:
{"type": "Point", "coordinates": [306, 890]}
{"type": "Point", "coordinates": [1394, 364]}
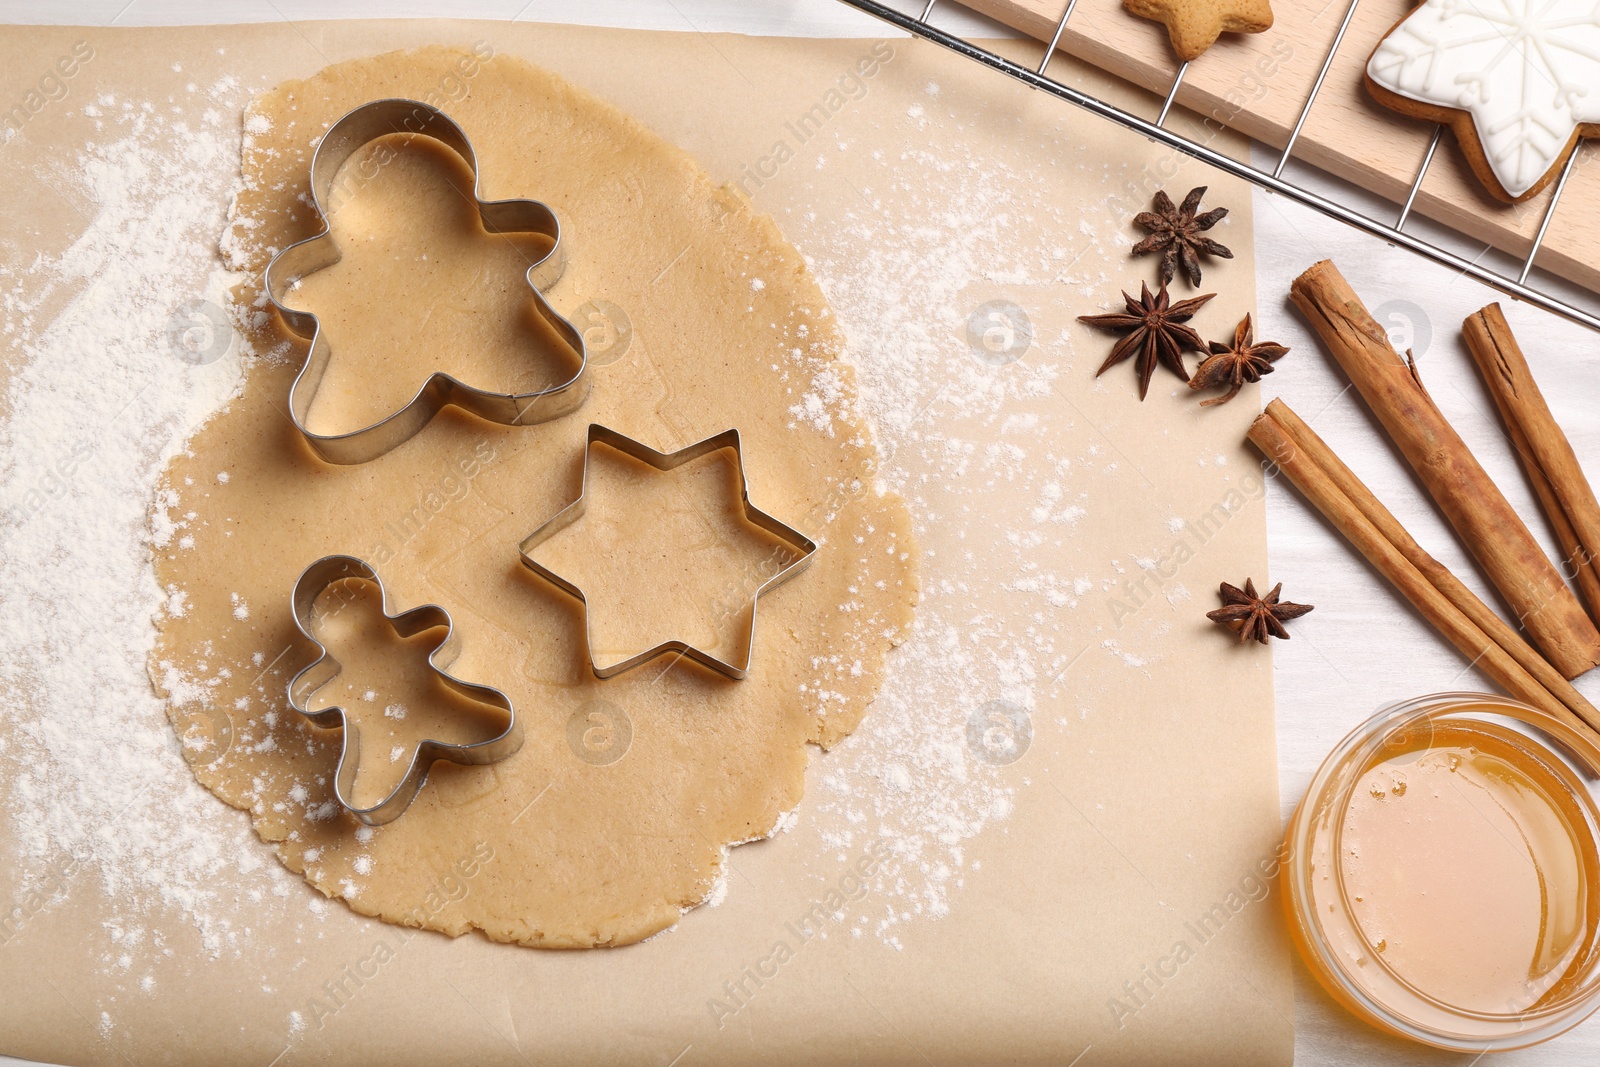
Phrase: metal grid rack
{"type": "Point", "coordinates": [1272, 181]}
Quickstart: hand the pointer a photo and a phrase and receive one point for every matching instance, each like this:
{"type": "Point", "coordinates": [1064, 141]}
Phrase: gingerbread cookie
{"type": "Point", "coordinates": [1195, 25]}
{"type": "Point", "coordinates": [1518, 81]}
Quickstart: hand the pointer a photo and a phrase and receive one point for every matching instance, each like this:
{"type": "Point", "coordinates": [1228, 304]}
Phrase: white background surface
{"type": "Point", "coordinates": [1363, 647]}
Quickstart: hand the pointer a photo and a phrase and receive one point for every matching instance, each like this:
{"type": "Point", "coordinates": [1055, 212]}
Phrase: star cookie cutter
{"type": "Point", "coordinates": [343, 139]}
{"type": "Point", "coordinates": [666, 461]}
{"type": "Point", "coordinates": [313, 580]}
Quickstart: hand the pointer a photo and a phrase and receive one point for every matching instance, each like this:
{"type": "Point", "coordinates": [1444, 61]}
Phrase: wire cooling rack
{"type": "Point", "coordinates": [1273, 180]}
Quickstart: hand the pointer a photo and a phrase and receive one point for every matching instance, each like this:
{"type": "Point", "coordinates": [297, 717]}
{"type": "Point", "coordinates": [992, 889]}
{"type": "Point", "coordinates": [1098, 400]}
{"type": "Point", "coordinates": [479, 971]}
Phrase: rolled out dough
{"type": "Point", "coordinates": [617, 812]}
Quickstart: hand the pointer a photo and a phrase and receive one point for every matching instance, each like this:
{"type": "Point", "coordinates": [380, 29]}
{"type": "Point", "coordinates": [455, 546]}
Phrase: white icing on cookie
{"type": "Point", "coordinates": [1528, 72]}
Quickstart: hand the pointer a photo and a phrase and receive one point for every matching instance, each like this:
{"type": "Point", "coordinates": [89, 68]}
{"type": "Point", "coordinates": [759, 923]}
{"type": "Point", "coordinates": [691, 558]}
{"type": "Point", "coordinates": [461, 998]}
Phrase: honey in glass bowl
{"type": "Point", "coordinates": [1443, 875]}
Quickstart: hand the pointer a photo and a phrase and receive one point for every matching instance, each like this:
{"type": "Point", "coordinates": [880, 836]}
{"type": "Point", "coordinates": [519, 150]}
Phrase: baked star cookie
{"type": "Point", "coordinates": [1518, 81]}
{"type": "Point", "coordinates": [1195, 25]}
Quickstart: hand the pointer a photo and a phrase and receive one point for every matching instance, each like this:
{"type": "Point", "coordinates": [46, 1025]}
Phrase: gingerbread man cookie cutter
{"type": "Point", "coordinates": [312, 582]}
{"type": "Point", "coordinates": [344, 138]}
{"type": "Point", "coordinates": [802, 545]}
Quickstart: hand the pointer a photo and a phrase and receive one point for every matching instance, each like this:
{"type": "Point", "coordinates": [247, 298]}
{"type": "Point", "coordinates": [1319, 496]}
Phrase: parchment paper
{"type": "Point", "coordinates": [1141, 814]}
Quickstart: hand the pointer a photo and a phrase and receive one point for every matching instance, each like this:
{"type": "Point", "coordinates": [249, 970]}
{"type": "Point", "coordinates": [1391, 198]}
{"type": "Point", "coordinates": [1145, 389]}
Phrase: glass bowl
{"type": "Point", "coordinates": [1458, 984]}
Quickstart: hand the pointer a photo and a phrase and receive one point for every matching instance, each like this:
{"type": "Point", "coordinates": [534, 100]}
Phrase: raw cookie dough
{"type": "Point", "coordinates": [616, 813]}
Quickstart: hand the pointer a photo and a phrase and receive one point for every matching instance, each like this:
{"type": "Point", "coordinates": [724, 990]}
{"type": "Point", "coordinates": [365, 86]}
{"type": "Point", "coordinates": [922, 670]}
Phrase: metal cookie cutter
{"type": "Point", "coordinates": [313, 580]}
{"type": "Point", "coordinates": [352, 132]}
{"type": "Point", "coordinates": [663, 461]}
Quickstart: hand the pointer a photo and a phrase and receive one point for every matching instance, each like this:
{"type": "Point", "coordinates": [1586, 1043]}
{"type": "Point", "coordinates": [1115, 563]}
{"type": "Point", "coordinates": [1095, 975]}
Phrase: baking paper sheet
{"type": "Point", "coordinates": [1108, 902]}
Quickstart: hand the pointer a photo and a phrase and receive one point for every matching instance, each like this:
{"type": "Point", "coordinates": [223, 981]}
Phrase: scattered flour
{"type": "Point", "coordinates": [951, 426]}
{"type": "Point", "coordinates": [104, 387]}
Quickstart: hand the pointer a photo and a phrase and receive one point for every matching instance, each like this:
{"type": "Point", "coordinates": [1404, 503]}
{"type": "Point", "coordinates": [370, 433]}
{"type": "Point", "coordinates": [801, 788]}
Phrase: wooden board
{"type": "Point", "coordinates": [1258, 84]}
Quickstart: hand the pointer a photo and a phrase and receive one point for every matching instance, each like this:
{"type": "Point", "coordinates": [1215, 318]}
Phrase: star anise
{"type": "Point", "coordinates": [1250, 615]}
{"type": "Point", "coordinates": [1175, 232]}
{"type": "Point", "coordinates": [1158, 333]}
{"type": "Point", "coordinates": [1243, 361]}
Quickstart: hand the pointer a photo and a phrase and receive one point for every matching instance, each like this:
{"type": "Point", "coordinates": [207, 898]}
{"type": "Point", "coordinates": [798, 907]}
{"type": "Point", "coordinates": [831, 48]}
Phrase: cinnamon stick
{"type": "Point", "coordinates": [1480, 513]}
{"type": "Point", "coordinates": [1452, 609]}
{"type": "Point", "coordinates": [1546, 455]}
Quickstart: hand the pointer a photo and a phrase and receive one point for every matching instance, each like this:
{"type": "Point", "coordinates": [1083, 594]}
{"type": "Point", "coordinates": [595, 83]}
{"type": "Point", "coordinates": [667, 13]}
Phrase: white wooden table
{"type": "Point", "coordinates": [1363, 646]}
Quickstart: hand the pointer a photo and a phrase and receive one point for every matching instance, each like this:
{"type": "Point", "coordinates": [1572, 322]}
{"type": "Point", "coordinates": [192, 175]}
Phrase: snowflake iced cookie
{"type": "Point", "coordinates": [1195, 25]}
{"type": "Point", "coordinates": [1518, 81]}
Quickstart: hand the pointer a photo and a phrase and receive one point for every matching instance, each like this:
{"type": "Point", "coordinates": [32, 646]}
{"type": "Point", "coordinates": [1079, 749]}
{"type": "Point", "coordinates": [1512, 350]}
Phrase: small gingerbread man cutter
{"type": "Point", "coordinates": [313, 580]}
{"type": "Point", "coordinates": [343, 139]}
{"type": "Point", "coordinates": [803, 546]}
